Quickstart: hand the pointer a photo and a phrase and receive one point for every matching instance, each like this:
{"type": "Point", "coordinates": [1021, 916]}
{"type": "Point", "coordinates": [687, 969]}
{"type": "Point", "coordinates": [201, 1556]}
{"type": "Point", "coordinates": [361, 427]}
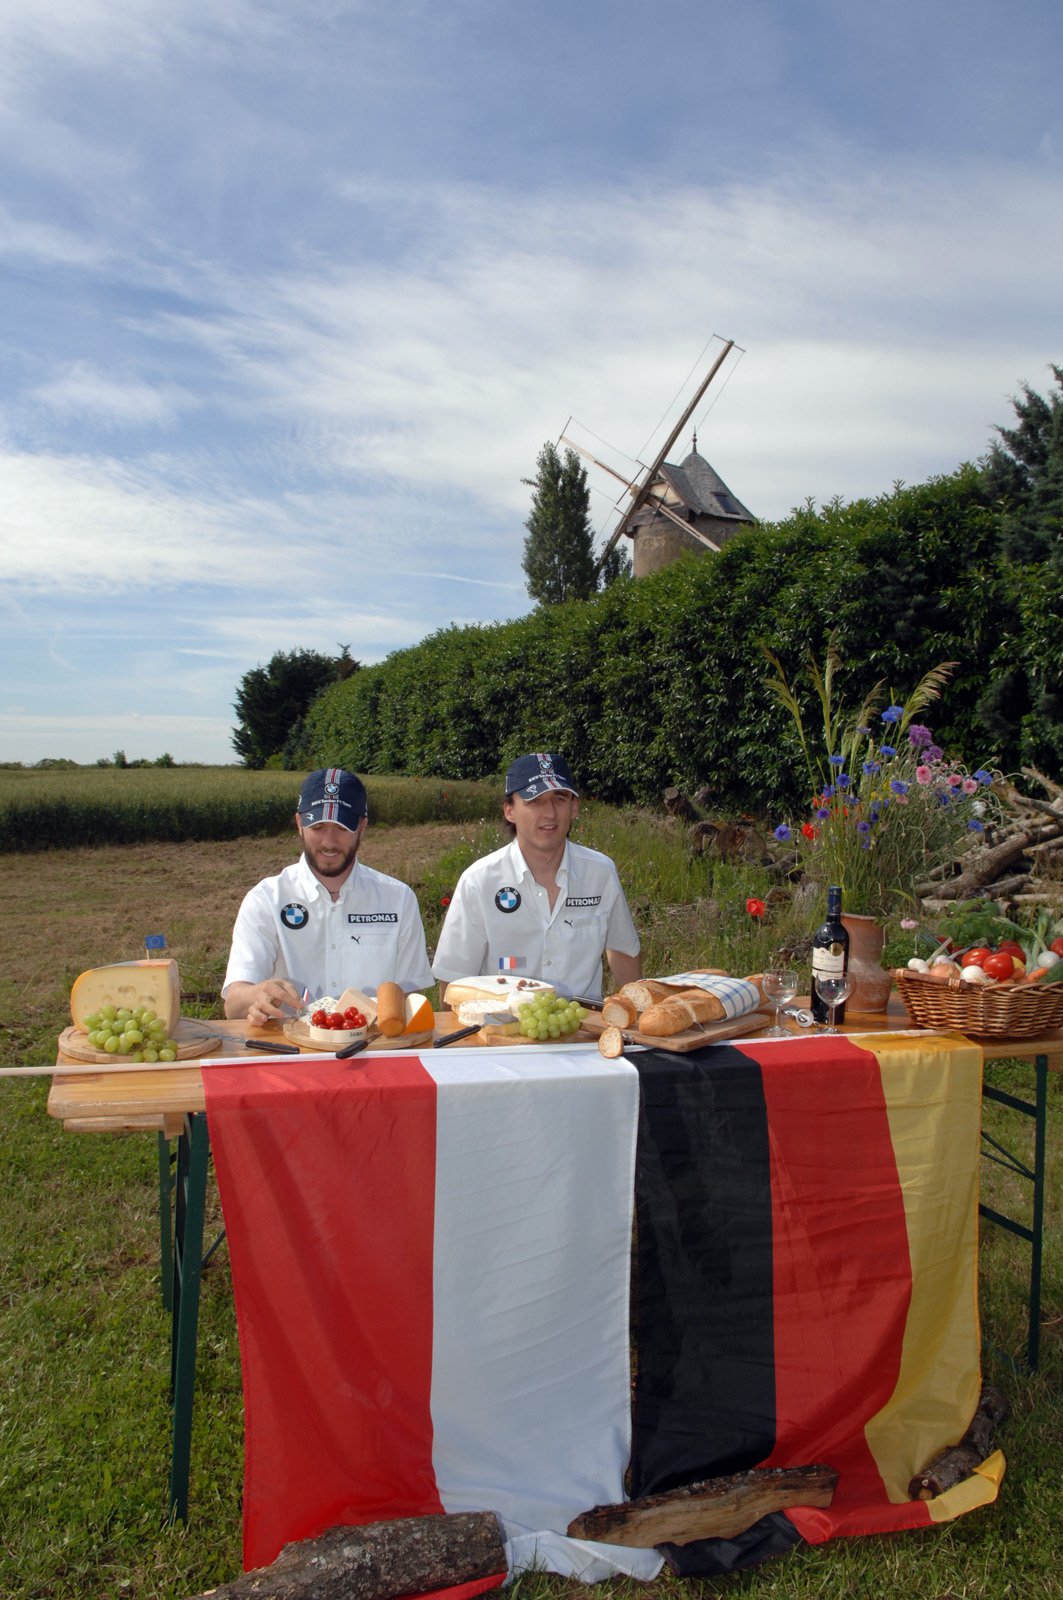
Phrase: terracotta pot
{"type": "Point", "coordinates": [871, 982]}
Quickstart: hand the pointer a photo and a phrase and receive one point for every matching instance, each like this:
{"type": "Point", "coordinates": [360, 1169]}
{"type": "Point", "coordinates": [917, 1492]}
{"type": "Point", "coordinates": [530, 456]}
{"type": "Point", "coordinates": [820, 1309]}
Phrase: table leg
{"type": "Point", "coordinates": [165, 1227]}
{"type": "Point", "coordinates": [193, 1150]}
{"type": "Point", "coordinates": [1033, 1235]}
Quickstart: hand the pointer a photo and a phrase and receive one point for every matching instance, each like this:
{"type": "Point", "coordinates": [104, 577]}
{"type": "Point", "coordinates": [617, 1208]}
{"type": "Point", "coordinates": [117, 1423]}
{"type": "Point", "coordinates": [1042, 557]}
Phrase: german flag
{"type": "Point", "coordinates": [807, 1232]}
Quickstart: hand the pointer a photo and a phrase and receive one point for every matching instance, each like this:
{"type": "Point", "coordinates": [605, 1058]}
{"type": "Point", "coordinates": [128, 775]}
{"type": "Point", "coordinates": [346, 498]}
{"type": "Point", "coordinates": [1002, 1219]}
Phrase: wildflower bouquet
{"type": "Point", "coordinates": [887, 806]}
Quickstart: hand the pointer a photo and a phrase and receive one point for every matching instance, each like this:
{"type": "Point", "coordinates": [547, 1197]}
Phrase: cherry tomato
{"type": "Point", "coordinates": [1057, 946]}
{"type": "Point", "coordinates": [319, 1019]}
{"type": "Point", "coordinates": [1000, 966]}
{"type": "Point", "coordinates": [1010, 947]}
{"type": "Point", "coordinates": [977, 956]}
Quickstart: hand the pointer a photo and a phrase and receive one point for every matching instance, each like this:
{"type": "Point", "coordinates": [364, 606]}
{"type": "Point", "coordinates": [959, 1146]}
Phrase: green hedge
{"type": "Point", "coordinates": [661, 679]}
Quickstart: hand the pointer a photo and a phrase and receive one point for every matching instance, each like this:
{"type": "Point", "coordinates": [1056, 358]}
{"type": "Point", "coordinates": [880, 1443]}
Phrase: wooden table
{"type": "Point", "coordinates": [172, 1104]}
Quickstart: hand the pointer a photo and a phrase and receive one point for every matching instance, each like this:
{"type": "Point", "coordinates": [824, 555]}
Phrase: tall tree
{"type": "Point", "coordinates": [1024, 473]}
{"type": "Point", "coordinates": [271, 699]}
{"type": "Point", "coordinates": [617, 564]}
{"type": "Point", "coordinates": [558, 552]}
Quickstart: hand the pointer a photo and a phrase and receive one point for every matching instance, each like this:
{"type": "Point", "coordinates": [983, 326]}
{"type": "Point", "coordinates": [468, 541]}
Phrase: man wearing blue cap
{"type": "Point", "coordinates": [328, 922]}
{"type": "Point", "coordinates": [540, 906]}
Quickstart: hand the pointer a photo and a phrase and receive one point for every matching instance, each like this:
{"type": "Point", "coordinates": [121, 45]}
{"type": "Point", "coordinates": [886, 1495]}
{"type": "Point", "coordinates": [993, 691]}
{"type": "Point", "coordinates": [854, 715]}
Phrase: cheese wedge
{"type": "Point", "coordinates": [152, 984]}
{"type": "Point", "coordinates": [419, 1015]}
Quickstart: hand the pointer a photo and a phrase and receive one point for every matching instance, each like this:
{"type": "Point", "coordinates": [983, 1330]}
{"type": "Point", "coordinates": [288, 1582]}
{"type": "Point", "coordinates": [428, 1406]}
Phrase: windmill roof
{"type": "Point", "coordinates": [703, 490]}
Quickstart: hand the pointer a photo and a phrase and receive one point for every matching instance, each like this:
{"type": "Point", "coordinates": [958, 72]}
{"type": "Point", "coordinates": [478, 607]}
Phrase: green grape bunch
{"type": "Point", "coordinates": [137, 1035]}
{"type": "Point", "coordinates": [550, 1018]}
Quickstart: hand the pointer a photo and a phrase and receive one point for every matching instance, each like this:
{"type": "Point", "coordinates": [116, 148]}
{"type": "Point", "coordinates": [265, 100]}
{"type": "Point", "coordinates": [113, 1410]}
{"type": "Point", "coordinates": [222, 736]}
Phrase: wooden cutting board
{"type": "Point", "coordinates": [298, 1032]}
{"type": "Point", "coordinates": [691, 1038]}
{"type": "Point", "coordinates": [193, 1039]}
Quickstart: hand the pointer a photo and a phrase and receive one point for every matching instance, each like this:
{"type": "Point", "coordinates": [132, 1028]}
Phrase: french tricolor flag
{"type": "Point", "coordinates": [512, 963]}
{"type": "Point", "coordinates": [440, 1319]}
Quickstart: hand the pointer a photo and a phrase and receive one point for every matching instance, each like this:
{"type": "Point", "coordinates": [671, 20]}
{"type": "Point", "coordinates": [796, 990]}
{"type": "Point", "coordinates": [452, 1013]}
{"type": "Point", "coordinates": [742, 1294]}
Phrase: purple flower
{"type": "Point", "coordinates": [874, 813]}
{"type": "Point", "coordinates": [975, 826]}
{"type": "Point", "coordinates": [863, 827]}
{"type": "Point", "coordinates": [865, 844]}
{"type": "Point", "coordinates": [934, 752]}
{"type": "Point", "coordinates": [899, 786]}
{"type": "Point", "coordinates": [984, 777]}
{"type": "Point", "coordinates": [782, 833]}
{"type": "Point", "coordinates": [828, 791]}
{"type": "Point", "coordinates": [865, 731]}
{"type": "Point", "coordinates": [843, 780]}
{"type": "Point", "coordinates": [908, 923]}
{"type": "Point", "coordinates": [886, 750]}
{"type": "Point", "coordinates": [893, 714]}
{"type": "Point", "coordinates": [944, 797]}
{"type": "Point", "coordinates": [869, 768]}
{"type": "Point", "coordinates": [918, 735]}
{"type": "Point", "coordinates": [836, 761]}
{"type": "Point", "coordinates": [824, 815]}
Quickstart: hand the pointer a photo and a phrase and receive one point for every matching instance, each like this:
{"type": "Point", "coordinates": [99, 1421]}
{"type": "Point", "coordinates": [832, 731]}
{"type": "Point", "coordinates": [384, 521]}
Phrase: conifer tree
{"type": "Point", "coordinates": [1024, 474]}
{"type": "Point", "coordinates": [558, 555]}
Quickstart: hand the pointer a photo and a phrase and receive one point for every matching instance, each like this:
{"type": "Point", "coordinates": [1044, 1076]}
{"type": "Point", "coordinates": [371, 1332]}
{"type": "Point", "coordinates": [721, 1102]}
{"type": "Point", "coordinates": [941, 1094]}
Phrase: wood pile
{"type": "Point", "coordinates": [1020, 861]}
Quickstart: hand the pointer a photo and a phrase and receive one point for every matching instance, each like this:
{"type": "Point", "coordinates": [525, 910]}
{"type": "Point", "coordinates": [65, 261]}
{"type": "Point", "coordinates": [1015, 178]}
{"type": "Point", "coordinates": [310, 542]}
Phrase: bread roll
{"type": "Point", "coordinates": [646, 992]}
{"type": "Point", "coordinates": [611, 1043]}
{"type": "Point", "coordinates": [683, 1011]}
{"type": "Point", "coordinates": [620, 1011]}
{"type": "Point", "coordinates": [390, 1009]}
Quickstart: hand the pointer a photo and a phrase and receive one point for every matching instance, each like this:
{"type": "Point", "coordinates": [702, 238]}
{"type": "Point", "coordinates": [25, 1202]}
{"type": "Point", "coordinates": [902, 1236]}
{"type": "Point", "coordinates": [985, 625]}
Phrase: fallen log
{"type": "Point", "coordinates": [952, 1466]}
{"type": "Point", "coordinates": [1052, 787]}
{"type": "Point", "coordinates": [677, 804]}
{"type": "Point", "coordinates": [983, 869]}
{"type": "Point", "coordinates": [378, 1561]}
{"type": "Point", "coordinates": [716, 1508]}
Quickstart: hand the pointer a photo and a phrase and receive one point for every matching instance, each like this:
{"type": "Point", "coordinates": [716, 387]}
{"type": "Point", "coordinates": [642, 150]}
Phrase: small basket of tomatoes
{"type": "Point", "coordinates": [996, 993]}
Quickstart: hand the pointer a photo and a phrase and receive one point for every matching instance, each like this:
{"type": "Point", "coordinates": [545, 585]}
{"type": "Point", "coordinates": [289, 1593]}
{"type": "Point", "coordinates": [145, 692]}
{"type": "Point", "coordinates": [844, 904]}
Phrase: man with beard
{"type": "Point", "coordinates": [328, 922]}
{"type": "Point", "coordinates": [540, 906]}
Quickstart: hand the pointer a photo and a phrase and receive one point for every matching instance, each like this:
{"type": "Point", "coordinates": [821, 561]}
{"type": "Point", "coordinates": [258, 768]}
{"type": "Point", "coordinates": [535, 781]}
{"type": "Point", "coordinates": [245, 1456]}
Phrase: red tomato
{"type": "Point", "coordinates": [1000, 966]}
{"type": "Point", "coordinates": [1057, 947]}
{"type": "Point", "coordinates": [976, 957]}
{"type": "Point", "coordinates": [1009, 947]}
{"type": "Point", "coordinates": [335, 1021]}
{"type": "Point", "coordinates": [319, 1019]}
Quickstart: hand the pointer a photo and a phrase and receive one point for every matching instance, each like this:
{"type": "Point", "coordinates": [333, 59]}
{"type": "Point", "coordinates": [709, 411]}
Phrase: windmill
{"type": "Point", "coordinates": [675, 508]}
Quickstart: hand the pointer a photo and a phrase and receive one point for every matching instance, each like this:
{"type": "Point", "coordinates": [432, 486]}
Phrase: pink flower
{"type": "Point", "coordinates": [923, 775]}
{"type": "Point", "coordinates": [900, 799]}
{"type": "Point", "coordinates": [970, 786]}
{"type": "Point", "coordinates": [908, 923]}
{"type": "Point", "coordinates": [954, 780]}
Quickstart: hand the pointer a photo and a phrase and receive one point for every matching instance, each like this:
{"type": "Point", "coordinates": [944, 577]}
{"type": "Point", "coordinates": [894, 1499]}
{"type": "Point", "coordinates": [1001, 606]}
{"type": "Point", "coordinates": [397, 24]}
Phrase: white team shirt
{"type": "Point", "coordinates": [499, 920]}
{"type": "Point", "coordinates": [290, 927]}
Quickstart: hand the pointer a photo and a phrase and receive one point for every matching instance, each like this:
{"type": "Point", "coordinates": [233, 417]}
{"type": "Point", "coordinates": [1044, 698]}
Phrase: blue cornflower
{"type": "Point", "coordinates": [863, 827]}
{"type": "Point", "coordinates": [898, 786]}
{"type": "Point", "coordinates": [865, 731]}
{"type": "Point", "coordinates": [869, 768]}
{"type": "Point", "coordinates": [828, 791]}
{"type": "Point", "coordinates": [782, 833]}
{"type": "Point", "coordinates": [886, 750]}
{"type": "Point", "coordinates": [944, 797]}
{"type": "Point", "coordinates": [865, 844]}
{"type": "Point", "coordinates": [843, 780]}
{"type": "Point", "coordinates": [836, 761]}
{"type": "Point", "coordinates": [823, 815]}
{"type": "Point", "coordinates": [975, 826]}
{"type": "Point", "coordinates": [874, 813]}
{"type": "Point", "coordinates": [983, 776]}
{"type": "Point", "coordinates": [893, 714]}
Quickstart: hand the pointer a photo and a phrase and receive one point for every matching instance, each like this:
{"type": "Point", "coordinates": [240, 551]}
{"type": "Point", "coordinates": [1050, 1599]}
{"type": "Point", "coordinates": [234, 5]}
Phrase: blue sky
{"type": "Point", "coordinates": [292, 296]}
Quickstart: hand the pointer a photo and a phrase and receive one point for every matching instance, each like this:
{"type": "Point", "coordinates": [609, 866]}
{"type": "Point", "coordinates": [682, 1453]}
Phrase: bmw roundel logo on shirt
{"type": "Point", "coordinates": [295, 916]}
{"type": "Point", "coordinates": [507, 899]}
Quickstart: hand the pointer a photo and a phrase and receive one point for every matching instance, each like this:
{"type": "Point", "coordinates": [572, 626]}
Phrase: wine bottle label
{"type": "Point", "coordinates": [828, 961]}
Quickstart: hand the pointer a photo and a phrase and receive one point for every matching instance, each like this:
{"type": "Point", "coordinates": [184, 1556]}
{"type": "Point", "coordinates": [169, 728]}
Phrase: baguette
{"type": "Point", "coordinates": [611, 1043]}
{"type": "Point", "coordinates": [646, 992]}
{"type": "Point", "coordinates": [684, 1010]}
{"type": "Point", "coordinates": [620, 1011]}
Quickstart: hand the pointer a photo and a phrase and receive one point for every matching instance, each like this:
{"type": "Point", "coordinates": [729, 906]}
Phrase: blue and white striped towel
{"type": "Point", "coordinates": [736, 995]}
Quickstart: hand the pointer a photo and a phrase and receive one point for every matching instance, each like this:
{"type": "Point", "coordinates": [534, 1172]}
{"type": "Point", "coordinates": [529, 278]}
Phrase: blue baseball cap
{"type": "Point", "coordinates": [531, 776]}
{"type": "Point", "coordinates": [332, 795]}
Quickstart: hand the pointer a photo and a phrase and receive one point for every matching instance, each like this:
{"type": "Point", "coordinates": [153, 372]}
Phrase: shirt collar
{"type": "Point", "coordinates": [312, 885]}
{"type": "Point", "coordinates": [521, 868]}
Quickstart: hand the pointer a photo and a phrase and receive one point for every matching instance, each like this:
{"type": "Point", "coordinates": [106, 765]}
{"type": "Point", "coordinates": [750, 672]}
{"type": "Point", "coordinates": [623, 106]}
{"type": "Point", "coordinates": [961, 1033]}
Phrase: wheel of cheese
{"type": "Point", "coordinates": [155, 985]}
{"type": "Point", "coordinates": [505, 989]}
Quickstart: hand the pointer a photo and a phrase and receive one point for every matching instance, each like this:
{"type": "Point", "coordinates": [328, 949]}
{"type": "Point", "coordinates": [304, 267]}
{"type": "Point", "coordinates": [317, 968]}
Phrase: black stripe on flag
{"type": "Point", "coordinates": [705, 1384]}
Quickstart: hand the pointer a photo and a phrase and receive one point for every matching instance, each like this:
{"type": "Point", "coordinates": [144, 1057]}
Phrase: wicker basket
{"type": "Point", "coordinates": [991, 1011]}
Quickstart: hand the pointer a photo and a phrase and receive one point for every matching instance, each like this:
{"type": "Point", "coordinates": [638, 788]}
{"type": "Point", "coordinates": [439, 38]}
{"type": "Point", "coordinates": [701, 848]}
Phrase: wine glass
{"type": "Point", "coordinates": [832, 991]}
{"type": "Point", "coordinates": [780, 984]}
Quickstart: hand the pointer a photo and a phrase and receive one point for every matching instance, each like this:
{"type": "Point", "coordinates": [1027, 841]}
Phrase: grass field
{"type": "Point", "coordinates": [83, 1336]}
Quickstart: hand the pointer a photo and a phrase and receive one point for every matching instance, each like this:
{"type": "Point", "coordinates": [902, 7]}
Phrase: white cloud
{"type": "Point", "coordinates": [83, 391]}
{"type": "Point", "coordinates": [87, 738]}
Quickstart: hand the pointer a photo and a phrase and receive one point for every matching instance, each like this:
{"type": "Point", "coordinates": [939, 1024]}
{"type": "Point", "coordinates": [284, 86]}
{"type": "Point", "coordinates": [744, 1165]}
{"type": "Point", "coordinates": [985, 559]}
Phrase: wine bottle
{"type": "Point", "coordinates": [830, 955]}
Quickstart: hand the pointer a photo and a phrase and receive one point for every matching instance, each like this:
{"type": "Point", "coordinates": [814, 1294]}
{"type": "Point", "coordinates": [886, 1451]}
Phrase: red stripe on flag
{"type": "Point", "coordinates": [336, 1315]}
{"type": "Point", "coordinates": [842, 1273]}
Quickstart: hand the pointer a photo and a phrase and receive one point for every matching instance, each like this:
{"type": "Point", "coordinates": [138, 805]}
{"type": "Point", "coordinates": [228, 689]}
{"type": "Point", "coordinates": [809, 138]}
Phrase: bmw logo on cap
{"type": "Point", "coordinates": [295, 916]}
{"type": "Point", "coordinates": [507, 899]}
{"type": "Point", "coordinates": [332, 790]}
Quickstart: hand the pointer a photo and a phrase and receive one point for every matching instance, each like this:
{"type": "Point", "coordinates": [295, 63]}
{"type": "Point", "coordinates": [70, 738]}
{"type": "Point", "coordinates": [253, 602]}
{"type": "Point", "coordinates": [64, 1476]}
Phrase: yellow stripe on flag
{"type": "Point", "coordinates": [980, 1489]}
{"type": "Point", "coordinates": [933, 1092]}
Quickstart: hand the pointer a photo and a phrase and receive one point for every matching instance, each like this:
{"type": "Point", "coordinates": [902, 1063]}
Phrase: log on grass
{"type": "Point", "coordinates": [716, 1508]}
{"type": "Point", "coordinates": [378, 1561]}
{"type": "Point", "coordinates": [952, 1466]}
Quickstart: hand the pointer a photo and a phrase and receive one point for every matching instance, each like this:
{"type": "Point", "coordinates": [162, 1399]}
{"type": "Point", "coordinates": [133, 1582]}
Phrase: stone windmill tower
{"type": "Point", "coordinates": [678, 506]}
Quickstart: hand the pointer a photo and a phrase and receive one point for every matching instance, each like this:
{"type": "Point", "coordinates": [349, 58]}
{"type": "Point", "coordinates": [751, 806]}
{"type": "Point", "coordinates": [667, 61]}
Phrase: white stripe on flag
{"type": "Point", "coordinates": [530, 1372]}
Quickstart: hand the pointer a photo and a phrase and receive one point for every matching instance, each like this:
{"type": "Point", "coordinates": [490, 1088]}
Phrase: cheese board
{"type": "Point", "coordinates": [691, 1038]}
{"type": "Point", "coordinates": [193, 1039]}
{"type": "Point", "coordinates": [298, 1032]}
